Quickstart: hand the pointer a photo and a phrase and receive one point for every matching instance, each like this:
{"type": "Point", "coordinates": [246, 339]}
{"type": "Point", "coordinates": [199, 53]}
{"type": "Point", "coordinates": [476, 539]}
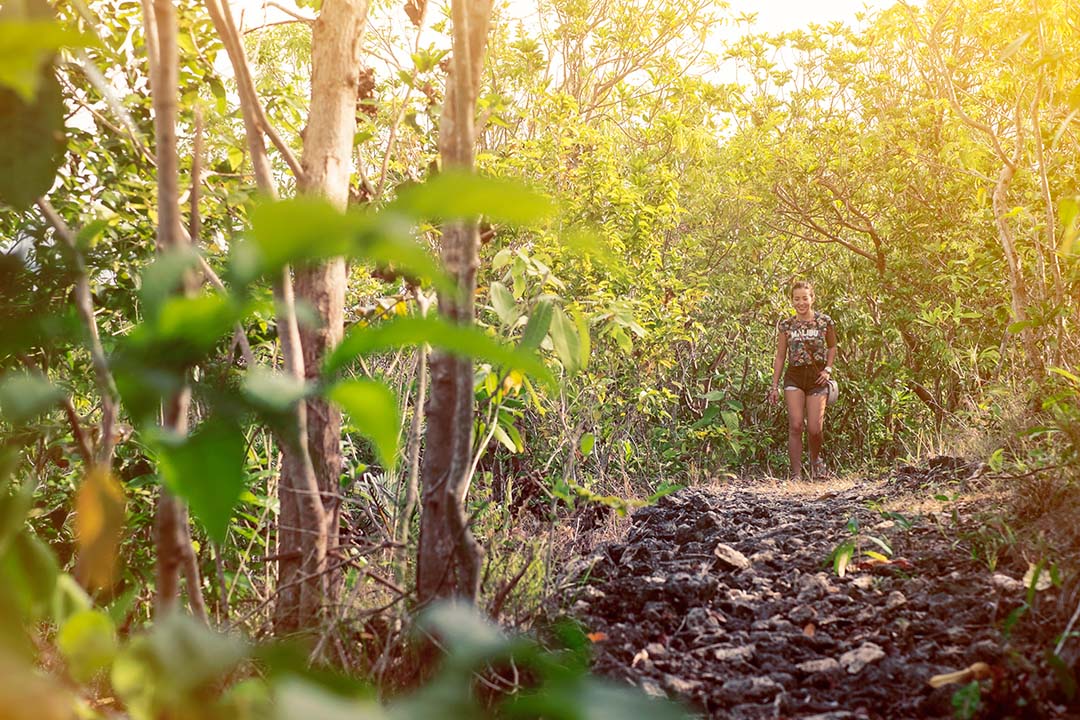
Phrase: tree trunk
{"type": "Point", "coordinates": [448, 562]}
{"type": "Point", "coordinates": [302, 528]}
{"type": "Point", "coordinates": [327, 166]}
{"type": "Point", "coordinates": [173, 547]}
{"type": "Point", "coordinates": [1017, 285]}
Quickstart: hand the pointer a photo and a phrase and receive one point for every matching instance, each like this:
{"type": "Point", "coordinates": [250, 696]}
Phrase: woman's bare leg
{"type": "Point", "coordinates": [815, 423]}
{"type": "Point", "coordinates": [796, 403]}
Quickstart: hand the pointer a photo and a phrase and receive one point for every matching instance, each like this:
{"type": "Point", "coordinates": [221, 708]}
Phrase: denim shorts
{"type": "Point", "coordinates": [804, 377]}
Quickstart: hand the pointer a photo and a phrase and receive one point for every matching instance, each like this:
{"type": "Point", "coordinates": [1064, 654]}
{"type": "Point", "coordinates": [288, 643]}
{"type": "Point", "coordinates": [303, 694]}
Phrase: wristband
{"type": "Point", "coordinates": [828, 369]}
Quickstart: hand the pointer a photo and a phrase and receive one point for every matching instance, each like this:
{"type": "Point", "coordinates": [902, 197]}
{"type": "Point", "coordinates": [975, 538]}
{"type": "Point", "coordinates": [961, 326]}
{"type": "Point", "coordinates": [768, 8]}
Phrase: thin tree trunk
{"type": "Point", "coordinates": [448, 562]}
{"type": "Point", "coordinates": [1017, 285]}
{"type": "Point", "coordinates": [1048, 249]}
{"type": "Point", "coordinates": [302, 523]}
{"type": "Point", "coordinates": [173, 552]}
{"type": "Point", "coordinates": [326, 168]}
{"type": "Point", "coordinates": [412, 486]}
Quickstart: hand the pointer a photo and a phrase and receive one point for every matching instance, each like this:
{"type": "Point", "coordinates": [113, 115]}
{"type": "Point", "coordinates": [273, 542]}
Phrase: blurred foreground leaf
{"type": "Point", "coordinates": [176, 670]}
{"type": "Point", "coordinates": [467, 341]}
{"type": "Point", "coordinates": [23, 396]}
{"type": "Point", "coordinates": [206, 469]}
{"type": "Point", "coordinates": [455, 195]}
{"type": "Point", "coordinates": [99, 523]}
{"type": "Point", "coordinates": [87, 640]}
{"type": "Point", "coordinates": [372, 408]}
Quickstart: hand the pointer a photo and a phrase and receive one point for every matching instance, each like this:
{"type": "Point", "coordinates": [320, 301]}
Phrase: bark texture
{"type": "Point", "coordinates": [302, 531]}
{"type": "Point", "coordinates": [326, 168]}
{"type": "Point", "coordinates": [174, 549]}
{"type": "Point", "coordinates": [448, 562]}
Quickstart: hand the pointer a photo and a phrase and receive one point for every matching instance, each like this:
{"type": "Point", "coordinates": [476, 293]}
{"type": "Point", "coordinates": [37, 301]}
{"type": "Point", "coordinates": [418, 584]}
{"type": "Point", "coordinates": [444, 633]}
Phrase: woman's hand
{"type": "Point", "coordinates": [824, 376]}
{"type": "Point", "coordinates": [773, 396]}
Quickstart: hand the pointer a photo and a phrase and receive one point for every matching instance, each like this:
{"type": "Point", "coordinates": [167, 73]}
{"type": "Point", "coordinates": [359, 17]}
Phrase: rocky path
{"type": "Point", "coordinates": [727, 600]}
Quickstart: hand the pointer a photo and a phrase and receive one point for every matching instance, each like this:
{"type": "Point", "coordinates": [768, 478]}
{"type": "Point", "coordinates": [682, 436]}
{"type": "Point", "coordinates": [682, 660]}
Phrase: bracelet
{"type": "Point", "coordinates": [828, 369]}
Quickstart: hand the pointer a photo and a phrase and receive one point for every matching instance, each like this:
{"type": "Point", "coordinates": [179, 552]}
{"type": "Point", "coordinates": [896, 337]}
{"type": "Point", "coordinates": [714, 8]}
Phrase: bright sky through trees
{"type": "Point", "coordinates": [772, 15]}
{"type": "Point", "coordinates": [780, 15]}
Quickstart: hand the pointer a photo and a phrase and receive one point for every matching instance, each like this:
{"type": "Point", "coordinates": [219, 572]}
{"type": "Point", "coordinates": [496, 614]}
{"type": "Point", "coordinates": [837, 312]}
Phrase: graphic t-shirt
{"type": "Point", "coordinates": [806, 339]}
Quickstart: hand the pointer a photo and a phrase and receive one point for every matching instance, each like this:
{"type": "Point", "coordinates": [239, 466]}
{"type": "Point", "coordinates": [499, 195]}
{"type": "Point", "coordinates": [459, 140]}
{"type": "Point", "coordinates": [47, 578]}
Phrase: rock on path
{"type": "Point", "coordinates": [725, 599]}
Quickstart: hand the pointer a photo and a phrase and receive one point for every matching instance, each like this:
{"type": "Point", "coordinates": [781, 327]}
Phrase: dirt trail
{"type": "Point", "coordinates": [724, 598]}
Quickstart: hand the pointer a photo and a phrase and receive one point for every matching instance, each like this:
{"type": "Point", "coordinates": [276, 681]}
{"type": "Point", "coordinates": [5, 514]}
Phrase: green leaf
{"type": "Point", "coordinates": [537, 327]}
{"type": "Point", "coordinates": [196, 323]}
{"type": "Point", "coordinates": [455, 194]}
{"type": "Point", "coordinates": [505, 305]}
{"type": "Point", "coordinates": [372, 407]}
{"type": "Point", "coordinates": [273, 391]}
{"type": "Point", "coordinates": [163, 279]}
{"type": "Point", "coordinates": [586, 444]}
{"type": "Point", "coordinates": [207, 470]}
{"type": "Point", "coordinates": [707, 418]}
{"type": "Point", "coordinates": [967, 700]}
{"type": "Point", "coordinates": [566, 341]}
{"type": "Point", "coordinates": [87, 640]}
{"type": "Point", "coordinates": [26, 49]}
{"type": "Point", "coordinates": [306, 230]}
{"type": "Point", "coordinates": [175, 668]}
{"type": "Point", "coordinates": [1069, 213]}
{"type": "Point", "coordinates": [880, 542]}
{"type": "Point", "coordinates": [1020, 325]}
{"type": "Point", "coordinates": [842, 556]}
{"type": "Point", "coordinates": [467, 636]}
{"type": "Point", "coordinates": [294, 698]}
{"type": "Point", "coordinates": [386, 239]}
{"type": "Point", "coordinates": [585, 342]}
{"type": "Point", "coordinates": [302, 229]}
{"type": "Point", "coordinates": [502, 259]}
{"type": "Point", "coordinates": [1074, 379]}
{"type": "Point", "coordinates": [462, 340]}
{"type": "Point", "coordinates": [501, 435]}
{"type": "Point", "coordinates": [68, 598]}
{"type": "Point", "coordinates": [33, 141]}
{"type": "Point", "coordinates": [1014, 47]}
{"type": "Point", "coordinates": [29, 571]}
{"type": "Point", "coordinates": [236, 158]}
{"type": "Point", "coordinates": [24, 396]}
{"type": "Point", "coordinates": [731, 420]}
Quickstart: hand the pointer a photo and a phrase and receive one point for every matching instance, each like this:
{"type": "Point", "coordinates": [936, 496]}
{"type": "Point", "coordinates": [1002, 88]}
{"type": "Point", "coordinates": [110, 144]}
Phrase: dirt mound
{"type": "Point", "coordinates": [729, 600]}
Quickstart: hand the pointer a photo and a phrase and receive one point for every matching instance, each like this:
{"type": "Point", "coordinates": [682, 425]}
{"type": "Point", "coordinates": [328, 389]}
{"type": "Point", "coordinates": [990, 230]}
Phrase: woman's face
{"type": "Point", "coordinates": [803, 300]}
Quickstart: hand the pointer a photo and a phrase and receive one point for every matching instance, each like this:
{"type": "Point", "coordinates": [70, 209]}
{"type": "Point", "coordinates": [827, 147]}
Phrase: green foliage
{"type": "Point", "coordinates": [465, 341]}
{"type": "Point", "coordinates": [28, 45]}
{"type": "Point", "coordinates": [373, 410]}
{"type": "Point", "coordinates": [453, 194]}
{"type": "Point", "coordinates": [852, 548]}
{"type": "Point", "coordinates": [88, 642]}
{"type": "Point", "coordinates": [967, 701]}
{"type": "Point", "coordinates": [206, 469]}
{"type": "Point", "coordinates": [23, 396]}
{"type": "Point", "coordinates": [33, 140]}
{"type": "Point", "coordinates": [31, 106]}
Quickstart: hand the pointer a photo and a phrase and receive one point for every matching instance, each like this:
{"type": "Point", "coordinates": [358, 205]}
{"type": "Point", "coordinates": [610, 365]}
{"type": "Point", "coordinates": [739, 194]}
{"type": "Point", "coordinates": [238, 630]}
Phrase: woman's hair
{"type": "Point", "coordinates": [802, 285]}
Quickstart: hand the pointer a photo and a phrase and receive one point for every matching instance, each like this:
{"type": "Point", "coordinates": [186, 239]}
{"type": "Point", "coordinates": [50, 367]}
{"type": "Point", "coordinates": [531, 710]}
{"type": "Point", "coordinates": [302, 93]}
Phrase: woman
{"type": "Point", "coordinates": [808, 342]}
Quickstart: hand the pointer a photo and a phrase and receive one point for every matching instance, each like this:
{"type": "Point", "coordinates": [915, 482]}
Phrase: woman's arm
{"type": "Point", "coordinates": [830, 355]}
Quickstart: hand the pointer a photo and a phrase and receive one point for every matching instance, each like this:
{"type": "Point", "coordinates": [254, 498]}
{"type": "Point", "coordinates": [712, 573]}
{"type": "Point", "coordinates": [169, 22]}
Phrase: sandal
{"type": "Point", "coordinates": [820, 471]}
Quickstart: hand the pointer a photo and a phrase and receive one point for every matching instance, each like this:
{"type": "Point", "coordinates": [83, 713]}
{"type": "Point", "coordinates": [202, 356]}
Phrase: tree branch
{"type": "Point", "coordinates": [84, 303]}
